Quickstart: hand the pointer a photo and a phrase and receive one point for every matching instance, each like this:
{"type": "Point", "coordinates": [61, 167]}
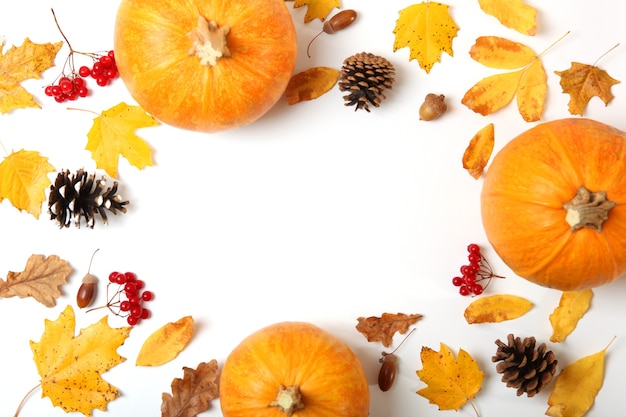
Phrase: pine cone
{"type": "Point", "coordinates": [365, 76]}
{"type": "Point", "coordinates": [77, 196]}
{"type": "Point", "coordinates": [524, 367]}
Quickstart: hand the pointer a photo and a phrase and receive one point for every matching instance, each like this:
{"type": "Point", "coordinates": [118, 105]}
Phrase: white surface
{"type": "Point", "coordinates": [313, 213]}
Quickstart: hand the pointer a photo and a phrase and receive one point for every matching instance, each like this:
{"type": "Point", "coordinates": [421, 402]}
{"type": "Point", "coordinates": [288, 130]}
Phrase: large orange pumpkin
{"type": "Point", "coordinates": [206, 65]}
{"type": "Point", "coordinates": [293, 368]}
{"type": "Point", "coordinates": [554, 204]}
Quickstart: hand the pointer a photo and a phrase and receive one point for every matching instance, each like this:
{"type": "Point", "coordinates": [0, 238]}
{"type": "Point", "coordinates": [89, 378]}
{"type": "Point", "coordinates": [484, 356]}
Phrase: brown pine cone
{"type": "Point", "coordinates": [365, 76]}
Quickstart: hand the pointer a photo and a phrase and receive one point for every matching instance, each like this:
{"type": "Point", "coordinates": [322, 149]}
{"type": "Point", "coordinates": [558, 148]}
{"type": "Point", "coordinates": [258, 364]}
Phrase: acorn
{"type": "Point", "coordinates": [433, 107]}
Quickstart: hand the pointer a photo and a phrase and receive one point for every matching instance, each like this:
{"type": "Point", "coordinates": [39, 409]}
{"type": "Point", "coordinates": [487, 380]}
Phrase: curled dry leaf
{"type": "Point", "coordinates": [514, 14]}
{"type": "Point", "coordinates": [479, 151]}
{"type": "Point", "coordinates": [311, 84]}
{"type": "Point", "coordinates": [572, 307]}
{"type": "Point", "coordinates": [582, 82]}
{"type": "Point", "coordinates": [382, 329]}
{"type": "Point", "coordinates": [166, 343]}
{"type": "Point", "coordinates": [496, 308]}
{"type": "Point", "coordinates": [192, 394]}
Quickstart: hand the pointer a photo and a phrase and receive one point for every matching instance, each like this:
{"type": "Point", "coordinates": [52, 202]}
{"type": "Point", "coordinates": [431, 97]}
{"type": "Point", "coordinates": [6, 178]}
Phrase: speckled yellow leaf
{"type": "Point", "coordinates": [572, 307]}
{"type": "Point", "coordinates": [166, 343]}
{"type": "Point", "coordinates": [71, 366]}
{"type": "Point", "coordinates": [310, 84]}
{"type": "Point", "coordinates": [496, 308]}
{"type": "Point", "coordinates": [479, 151]}
{"type": "Point", "coordinates": [514, 14]}
{"type": "Point", "coordinates": [317, 9]}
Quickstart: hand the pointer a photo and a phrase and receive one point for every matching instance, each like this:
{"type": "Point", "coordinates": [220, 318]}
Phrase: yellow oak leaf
{"type": "Point", "coordinates": [514, 14]}
{"type": "Point", "coordinates": [166, 343]}
{"type": "Point", "coordinates": [24, 179]}
{"type": "Point", "coordinates": [20, 63]}
{"type": "Point", "coordinates": [572, 307]}
{"type": "Point", "coordinates": [310, 84]}
{"type": "Point", "coordinates": [496, 308]}
{"type": "Point", "coordinates": [113, 134]}
{"type": "Point", "coordinates": [451, 382]}
{"type": "Point", "coordinates": [582, 82]}
{"type": "Point", "coordinates": [427, 29]}
{"type": "Point", "coordinates": [577, 386]}
{"type": "Point", "coordinates": [528, 81]}
{"type": "Point", "coordinates": [479, 151]}
{"type": "Point", "coordinates": [317, 9]}
{"type": "Point", "coordinates": [71, 366]}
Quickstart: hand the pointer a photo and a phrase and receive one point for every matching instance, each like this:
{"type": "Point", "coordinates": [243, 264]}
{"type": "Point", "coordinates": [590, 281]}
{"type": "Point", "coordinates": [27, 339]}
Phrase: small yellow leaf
{"type": "Point", "coordinates": [496, 308]}
{"type": "Point", "coordinates": [582, 82]}
{"type": "Point", "coordinates": [577, 386]}
{"type": "Point", "coordinates": [493, 92]}
{"type": "Point", "coordinates": [531, 94]}
{"type": "Point", "coordinates": [501, 53]}
{"type": "Point", "coordinates": [479, 151]}
{"type": "Point", "coordinates": [317, 9]}
{"type": "Point", "coordinates": [166, 343]}
{"type": "Point", "coordinates": [572, 307]}
{"type": "Point", "coordinates": [514, 14]}
{"type": "Point", "coordinates": [311, 84]}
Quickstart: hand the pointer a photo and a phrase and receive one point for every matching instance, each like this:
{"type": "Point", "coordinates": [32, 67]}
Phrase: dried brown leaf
{"type": "Point", "coordinates": [382, 329]}
{"type": "Point", "coordinates": [582, 82]}
{"type": "Point", "coordinates": [192, 394]}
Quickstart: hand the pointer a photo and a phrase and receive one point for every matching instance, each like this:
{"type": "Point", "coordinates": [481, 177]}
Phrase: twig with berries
{"type": "Point", "coordinates": [474, 274]}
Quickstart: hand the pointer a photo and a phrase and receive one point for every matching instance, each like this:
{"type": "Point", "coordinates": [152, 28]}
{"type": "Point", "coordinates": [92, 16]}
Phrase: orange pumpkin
{"type": "Point", "coordinates": [206, 65]}
{"type": "Point", "coordinates": [293, 368]}
{"type": "Point", "coordinates": [554, 204]}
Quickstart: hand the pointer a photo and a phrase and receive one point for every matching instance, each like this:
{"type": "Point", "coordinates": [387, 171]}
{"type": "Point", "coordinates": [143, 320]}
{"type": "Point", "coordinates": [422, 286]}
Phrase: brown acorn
{"type": "Point", "coordinates": [434, 106]}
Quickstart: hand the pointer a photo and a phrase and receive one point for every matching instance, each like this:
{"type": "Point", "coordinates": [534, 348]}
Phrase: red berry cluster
{"type": "Point", "coordinates": [128, 299]}
{"type": "Point", "coordinates": [475, 273]}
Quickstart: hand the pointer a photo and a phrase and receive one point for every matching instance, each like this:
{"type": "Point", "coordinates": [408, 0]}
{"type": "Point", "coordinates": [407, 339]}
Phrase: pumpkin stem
{"type": "Point", "coordinates": [288, 399]}
{"type": "Point", "coordinates": [587, 209]}
{"type": "Point", "coordinates": [209, 42]}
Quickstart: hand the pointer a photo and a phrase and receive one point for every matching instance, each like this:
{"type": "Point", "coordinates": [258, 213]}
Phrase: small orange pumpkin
{"type": "Point", "coordinates": [293, 368]}
{"type": "Point", "coordinates": [205, 65]}
{"type": "Point", "coordinates": [554, 204]}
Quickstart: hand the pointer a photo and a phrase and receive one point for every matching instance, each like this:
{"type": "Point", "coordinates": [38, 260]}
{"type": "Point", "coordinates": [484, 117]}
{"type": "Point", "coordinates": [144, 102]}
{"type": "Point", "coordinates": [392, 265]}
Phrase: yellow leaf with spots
{"type": "Point", "coordinates": [479, 151]}
{"type": "Point", "coordinates": [71, 366]}
{"type": "Point", "coordinates": [113, 135]}
{"type": "Point", "coordinates": [317, 9]}
{"type": "Point", "coordinates": [166, 343]}
{"type": "Point", "coordinates": [496, 308]}
{"type": "Point", "coordinates": [427, 29]}
{"type": "Point", "coordinates": [514, 14]}
{"type": "Point", "coordinates": [572, 307]}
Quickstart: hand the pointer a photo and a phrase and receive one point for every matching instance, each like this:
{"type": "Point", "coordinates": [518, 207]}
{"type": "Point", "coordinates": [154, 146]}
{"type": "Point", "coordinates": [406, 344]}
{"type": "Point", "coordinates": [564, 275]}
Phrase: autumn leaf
{"type": "Point", "coordinates": [583, 82]}
{"type": "Point", "coordinates": [382, 329]}
{"type": "Point", "coordinates": [21, 63]}
{"type": "Point", "coordinates": [451, 383]}
{"type": "Point", "coordinates": [24, 179]}
{"type": "Point", "coordinates": [71, 366]}
{"type": "Point", "coordinates": [427, 29]}
{"type": "Point", "coordinates": [572, 307]}
{"type": "Point", "coordinates": [113, 134]}
{"type": "Point", "coordinates": [577, 386]}
{"type": "Point", "coordinates": [496, 308]}
{"type": "Point", "coordinates": [192, 394]}
{"type": "Point", "coordinates": [311, 84]}
{"type": "Point", "coordinates": [479, 151]}
{"type": "Point", "coordinates": [166, 343]}
{"type": "Point", "coordinates": [40, 279]}
{"type": "Point", "coordinates": [317, 9]}
{"type": "Point", "coordinates": [514, 14]}
{"type": "Point", "coordinates": [528, 80]}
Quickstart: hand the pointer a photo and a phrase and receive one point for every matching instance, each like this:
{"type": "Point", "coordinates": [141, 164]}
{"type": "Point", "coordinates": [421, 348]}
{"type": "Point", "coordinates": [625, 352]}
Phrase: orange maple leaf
{"type": "Point", "coordinates": [582, 82]}
{"type": "Point", "coordinates": [317, 9]}
{"type": "Point", "coordinates": [382, 329]}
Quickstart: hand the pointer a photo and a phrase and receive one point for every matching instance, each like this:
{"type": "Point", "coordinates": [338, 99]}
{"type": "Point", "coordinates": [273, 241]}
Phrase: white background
{"type": "Point", "coordinates": [313, 213]}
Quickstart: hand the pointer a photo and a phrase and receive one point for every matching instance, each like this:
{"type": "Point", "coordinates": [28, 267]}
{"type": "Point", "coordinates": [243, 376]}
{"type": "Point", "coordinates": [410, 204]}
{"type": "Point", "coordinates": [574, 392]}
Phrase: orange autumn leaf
{"type": "Point", "coordinates": [479, 151]}
{"type": "Point", "coordinates": [514, 14]}
{"type": "Point", "coordinates": [451, 382]}
{"type": "Point", "coordinates": [583, 82]}
{"type": "Point", "coordinates": [192, 394]}
{"type": "Point", "coordinates": [317, 9]}
{"type": "Point", "coordinates": [496, 308]}
{"type": "Point", "coordinates": [24, 179]}
{"type": "Point", "coordinates": [311, 84]}
{"type": "Point", "coordinates": [572, 307]}
{"type": "Point", "coordinates": [427, 29]}
{"type": "Point", "coordinates": [166, 343]}
{"type": "Point", "coordinates": [382, 329]}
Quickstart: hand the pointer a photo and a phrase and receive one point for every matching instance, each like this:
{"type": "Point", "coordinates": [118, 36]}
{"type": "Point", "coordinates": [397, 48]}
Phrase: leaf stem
{"type": "Point", "coordinates": [88, 111]}
{"type": "Point", "coordinates": [604, 54]}
{"type": "Point", "coordinates": [554, 43]}
{"type": "Point", "coordinates": [19, 407]}
{"type": "Point", "coordinates": [474, 407]}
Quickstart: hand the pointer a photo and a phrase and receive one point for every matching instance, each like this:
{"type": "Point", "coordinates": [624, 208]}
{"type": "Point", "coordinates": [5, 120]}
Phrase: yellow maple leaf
{"type": "Point", "coordinates": [165, 343]}
{"type": "Point", "coordinates": [514, 14]}
{"type": "Point", "coordinates": [528, 81]}
{"type": "Point", "coordinates": [23, 180]}
{"type": "Point", "coordinates": [71, 366]}
{"type": "Point", "coordinates": [582, 82]}
{"type": "Point", "coordinates": [451, 382]}
{"type": "Point", "coordinates": [317, 9]}
{"type": "Point", "coordinates": [427, 29]}
{"type": "Point", "coordinates": [27, 61]}
{"type": "Point", "coordinates": [572, 307]}
{"type": "Point", "coordinates": [113, 134]}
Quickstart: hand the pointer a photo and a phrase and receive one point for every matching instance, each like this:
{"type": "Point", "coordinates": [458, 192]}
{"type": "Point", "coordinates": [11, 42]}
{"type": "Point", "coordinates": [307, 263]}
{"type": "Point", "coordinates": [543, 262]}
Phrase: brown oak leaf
{"type": "Point", "coordinates": [192, 394]}
{"type": "Point", "coordinates": [40, 279]}
{"type": "Point", "coordinates": [582, 82]}
{"type": "Point", "coordinates": [382, 329]}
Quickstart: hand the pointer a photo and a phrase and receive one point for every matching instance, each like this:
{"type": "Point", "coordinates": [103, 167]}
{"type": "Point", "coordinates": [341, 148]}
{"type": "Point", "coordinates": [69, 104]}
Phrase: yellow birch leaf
{"type": "Point", "coordinates": [572, 307]}
{"type": "Point", "coordinates": [583, 82]}
{"type": "Point", "coordinates": [71, 366]}
{"type": "Point", "coordinates": [166, 343]}
{"type": "Point", "coordinates": [311, 84]}
{"type": "Point", "coordinates": [427, 29]}
{"type": "Point", "coordinates": [451, 383]}
{"type": "Point", "coordinates": [514, 14]}
{"type": "Point", "coordinates": [531, 94]}
{"type": "Point", "coordinates": [317, 9]}
{"type": "Point", "coordinates": [492, 93]}
{"type": "Point", "coordinates": [479, 151]}
{"type": "Point", "coordinates": [113, 134]}
{"type": "Point", "coordinates": [24, 179]}
{"type": "Point", "coordinates": [496, 308]}
{"type": "Point", "coordinates": [576, 387]}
